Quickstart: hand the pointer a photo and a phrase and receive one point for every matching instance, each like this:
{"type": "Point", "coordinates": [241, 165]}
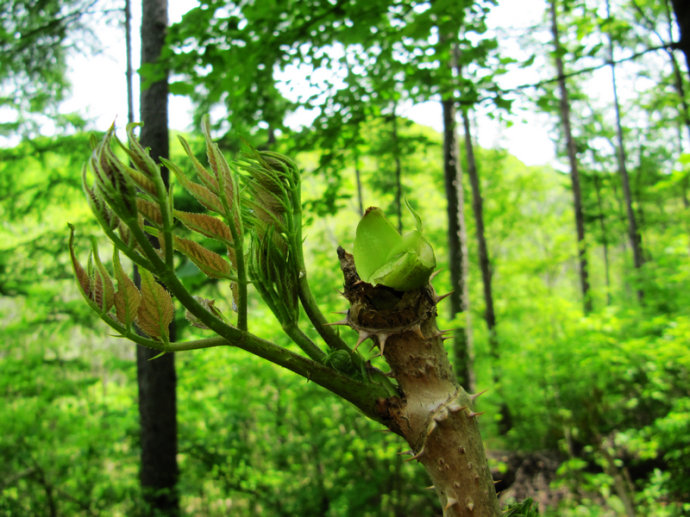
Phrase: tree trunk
{"type": "Point", "coordinates": [483, 250]}
{"type": "Point", "coordinates": [398, 166]}
{"type": "Point", "coordinates": [572, 159]}
{"type": "Point", "coordinates": [633, 232]}
{"type": "Point", "coordinates": [457, 246]}
{"type": "Point", "coordinates": [129, 73]}
{"type": "Point", "coordinates": [433, 413]}
{"type": "Point", "coordinates": [677, 73]}
{"type": "Point", "coordinates": [156, 378]}
{"type": "Point", "coordinates": [358, 180]}
{"type": "Point", "coordinates": [604, 236]}
{"type": "Point", "coordinates": [505, 424]}
{"type": "Point", "coordinates": [680, 89]}
{"type": "Point", "coordinates": [682, 10]}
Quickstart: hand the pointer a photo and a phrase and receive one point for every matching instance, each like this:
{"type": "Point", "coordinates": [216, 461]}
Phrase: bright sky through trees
{"type": "Point", "coordinates": [99, 87]}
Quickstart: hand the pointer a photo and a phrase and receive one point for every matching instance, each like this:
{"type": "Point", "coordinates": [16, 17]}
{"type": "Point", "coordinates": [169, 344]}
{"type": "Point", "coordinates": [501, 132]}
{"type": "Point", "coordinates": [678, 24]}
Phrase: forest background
{"type": "Point", "coordinates": [574, 308]}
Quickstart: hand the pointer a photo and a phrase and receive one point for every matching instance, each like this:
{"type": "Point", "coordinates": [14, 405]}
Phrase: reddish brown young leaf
{"type": "Point", "coordinates": [79, 271]}
{"type": "Point", "coordinates": [156, 309]}
{"type": "Point", "coordinates": [208, 261]}
{"type": "Point", "coordinates": [151, 211]}
{"type": "Point", "coordinates": [127, 297]}
{"type": "Point", "coordinates": [201, 171]}
{"type": "Point", "coordinates": [102, 288]}
{"type": "Point", "coordinates": [202, 194]}
{"type": "Point", "coordinates": [206, 225]}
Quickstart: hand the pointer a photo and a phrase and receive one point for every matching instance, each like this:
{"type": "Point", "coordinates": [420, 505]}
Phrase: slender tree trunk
{"type": "Point", "coordinates": [505, 423]}
{"type": "Point", "coordinates": [633, 232]}
{"type": "Point", "coordinates": [398, 166]}
{"type": "Point", "coordinates": [358, 179]}
{"type": "Point", "coordinates": [604, 238]}
{"type": "Point", "coordinates": [678, 83]}
{"type": "Point", "coordinates": [483, 250]}
{"type": "Point", "coordinates": [572, 159]}
{"type": "Point", "coordinates": [157, 378]}
{"type": "Point", "coordinates": [678, 75]}
{"type": "Point", "coordinates": [129, 72]}
{"type": "Point", "coordinates": [355, 154]}
{"type": "Point", "coordinates": [682, 10]}
{"type": "Point", "coordinates": [680, 89]}
{"type": "Point", "coordinates": [457, 246]}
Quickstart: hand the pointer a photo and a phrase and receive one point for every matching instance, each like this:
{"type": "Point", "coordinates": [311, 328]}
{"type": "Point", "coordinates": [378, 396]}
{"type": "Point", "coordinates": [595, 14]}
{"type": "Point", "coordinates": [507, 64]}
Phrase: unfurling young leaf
{"type": "Point", "coordinates": [209, 262]}
{"type": "Point", "coordinates": [139, 155]}
{"type": "Point", "coordinates": [142, 181]}
{"type": "Point", "coordinates": [210, 182]}
{"type": "Point", "coordinates": [79, 271]}
{"type": "Point", "coordinates": [102, 289]}
{"type": "Point", "coordinates": [127, 297]}
{"type": "Point", "coordinates": [151, 211]}
{"type": "Point", "coordinates": [227, 186]}
{"type": "Point", "coordinates": [206, 225]}
{"type": "Point", "coordinates": [156, 310]}
{"type": "Point", "coordinates": [112, 184]}
{"type": "Point", "coordinates": [98, 206]}
{"type": "Point", "coordinates": [202, 194]}
{"type": "Point", "coordinates": [383, 256]}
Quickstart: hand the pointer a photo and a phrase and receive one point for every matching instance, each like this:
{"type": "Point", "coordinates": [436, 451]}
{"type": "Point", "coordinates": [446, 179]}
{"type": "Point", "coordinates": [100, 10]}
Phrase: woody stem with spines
{"type": "Point", "coordinates": [432, 412]}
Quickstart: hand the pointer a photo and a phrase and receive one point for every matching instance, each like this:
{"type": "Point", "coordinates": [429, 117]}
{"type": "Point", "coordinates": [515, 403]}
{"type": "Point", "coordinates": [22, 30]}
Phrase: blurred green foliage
{"type": "Point", "coordinates": [606, 395]}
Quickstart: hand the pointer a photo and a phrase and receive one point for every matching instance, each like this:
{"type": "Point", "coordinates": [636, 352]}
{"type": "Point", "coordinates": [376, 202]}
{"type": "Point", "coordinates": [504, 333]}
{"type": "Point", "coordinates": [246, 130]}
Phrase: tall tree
{"type": "Point", "coordinates": [129, 72]}
{"type": "Point", "coordinates": [395, 140]}
{"type": "Point", "coordinates": [156, 377]}
{"type": "Point", "coordinates": [649, 20]}
{"type": "Point", "coordinates": [571, 150]}
{"type": "Point", "coordinates": [458, 262]}
{"type": "Point", "coordinates": [457, 243]}
{"type": "Point", "coordinates": [633, 231]}
{"type": "Point", "coordinates": [682, 10]}
{"type": "Point", "coordinates": [484, 266]}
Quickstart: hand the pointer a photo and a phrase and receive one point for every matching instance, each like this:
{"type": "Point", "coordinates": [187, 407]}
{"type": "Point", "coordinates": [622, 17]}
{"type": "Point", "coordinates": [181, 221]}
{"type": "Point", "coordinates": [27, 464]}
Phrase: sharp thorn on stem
{"type": "Point", "coordinates": [363, 336]}
{"type": "Point", "coordinates": [442, 297]}
{"type": "Point", "coordinates": [475, 396]}
{"type": "Point", "coordinates": [451, 502]}
{"type": "Point", "coordinates": [416, 456]}
{"type": "Point", "coordinates": [341, 322]}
